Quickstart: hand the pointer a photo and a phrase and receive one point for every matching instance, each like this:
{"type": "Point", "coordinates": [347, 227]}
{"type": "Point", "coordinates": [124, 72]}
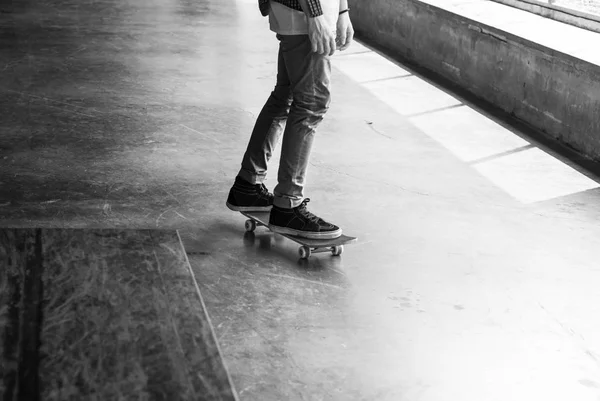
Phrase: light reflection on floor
{"type": "Point", "coordinates": [525, 172]}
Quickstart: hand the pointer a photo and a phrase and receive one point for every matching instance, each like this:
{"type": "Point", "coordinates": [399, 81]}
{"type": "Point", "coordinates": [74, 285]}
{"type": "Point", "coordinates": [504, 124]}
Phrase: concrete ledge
{"type": "Point", "coordinates": [554, 92]}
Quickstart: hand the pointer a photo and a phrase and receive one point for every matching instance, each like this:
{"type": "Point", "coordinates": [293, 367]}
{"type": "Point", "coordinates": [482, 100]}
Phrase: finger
{"type": "Point", "coordinates": [341, 40]}
{"type": "Point", "coordinates": [320, 48]}
{"type": "Point", "coordinates": [349, 38]}
{"type": "Point", "coordinates": [326, 49]}
{"type": "Point", "coordinates": [313, 44]}
{"type": "Point", "coordinates": [331, 43]}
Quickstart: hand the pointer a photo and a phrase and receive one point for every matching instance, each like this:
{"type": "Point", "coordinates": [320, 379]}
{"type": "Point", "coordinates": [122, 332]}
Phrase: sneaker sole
{"type": "Point", "coordinates": [248, 208]}
{"type": "Point", "coordinates": [306, 234]}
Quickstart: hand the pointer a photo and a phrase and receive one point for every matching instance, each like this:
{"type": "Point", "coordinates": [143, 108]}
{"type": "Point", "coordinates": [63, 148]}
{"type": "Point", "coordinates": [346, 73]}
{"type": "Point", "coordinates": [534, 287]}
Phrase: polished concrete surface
{"type": "Point", "coordinates": [476, 272]}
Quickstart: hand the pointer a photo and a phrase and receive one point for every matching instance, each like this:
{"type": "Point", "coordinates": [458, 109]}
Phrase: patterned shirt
{"type": "Point", "coordinates": [314, 6]}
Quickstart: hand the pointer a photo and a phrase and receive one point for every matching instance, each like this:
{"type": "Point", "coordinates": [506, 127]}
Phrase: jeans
{"type": "Point", "coordinates": [295, 108]}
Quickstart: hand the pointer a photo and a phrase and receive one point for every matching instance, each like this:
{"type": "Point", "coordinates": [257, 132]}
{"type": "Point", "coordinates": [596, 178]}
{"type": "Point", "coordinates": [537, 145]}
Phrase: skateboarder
{"type": "Point", "coordinates": [308, 32]}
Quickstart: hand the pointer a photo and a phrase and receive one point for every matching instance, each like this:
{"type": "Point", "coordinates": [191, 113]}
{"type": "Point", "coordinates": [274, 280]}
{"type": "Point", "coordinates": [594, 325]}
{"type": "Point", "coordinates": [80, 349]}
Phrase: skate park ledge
{"type": "Point", "coordinates": [542, 72]}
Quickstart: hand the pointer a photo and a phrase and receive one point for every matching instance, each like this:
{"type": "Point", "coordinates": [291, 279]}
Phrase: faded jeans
{"type": "Point", "coordinates": [295, 108]}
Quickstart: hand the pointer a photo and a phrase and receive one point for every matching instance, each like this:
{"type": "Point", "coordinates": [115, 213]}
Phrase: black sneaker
{"type": "Point", "coordinates": [301, 223]}
{"type": "Point", "coordinates": [246, 197]}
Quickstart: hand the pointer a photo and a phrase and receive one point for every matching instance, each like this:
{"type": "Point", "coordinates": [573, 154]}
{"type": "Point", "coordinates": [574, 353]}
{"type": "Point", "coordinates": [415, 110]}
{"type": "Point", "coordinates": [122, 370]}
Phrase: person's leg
{"type": "Point", "coordinates": [309, 75]}
{"type": "Point", "coordinates": [248, 192]}
{"type": "Point", "coordinates": [268, 127]}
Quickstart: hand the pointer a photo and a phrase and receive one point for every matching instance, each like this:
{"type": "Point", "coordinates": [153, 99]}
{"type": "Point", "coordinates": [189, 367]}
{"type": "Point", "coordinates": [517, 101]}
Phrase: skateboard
{"type": "Point", "coordinates": [307, 246]}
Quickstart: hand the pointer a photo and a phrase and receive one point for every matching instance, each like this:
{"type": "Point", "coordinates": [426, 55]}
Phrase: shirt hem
{"type": "Point", "coordinates": [300, 32]}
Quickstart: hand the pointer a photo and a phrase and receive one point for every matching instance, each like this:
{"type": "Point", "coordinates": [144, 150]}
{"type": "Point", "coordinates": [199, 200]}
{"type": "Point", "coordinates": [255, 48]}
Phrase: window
{"type": "Point", "coordinates": [586, 6]}
{"type": "Point", "coordinates": [581, 13]}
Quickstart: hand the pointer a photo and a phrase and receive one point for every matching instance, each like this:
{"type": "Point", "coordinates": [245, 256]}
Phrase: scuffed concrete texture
{"type": "Point", "coordinates": [553, 92]}
{"type": "Point", "coordinates": [104, 315]}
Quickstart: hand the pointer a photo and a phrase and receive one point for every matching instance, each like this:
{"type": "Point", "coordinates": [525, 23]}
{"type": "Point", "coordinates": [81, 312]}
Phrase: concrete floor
{"type": "Point", "coordinates": [476, 272]}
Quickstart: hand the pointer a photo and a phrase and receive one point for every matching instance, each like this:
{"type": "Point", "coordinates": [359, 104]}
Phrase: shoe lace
{"type": "Point", "coordinates": [304, 212]}
{"type": "Point", "coordinates": [262, 190]}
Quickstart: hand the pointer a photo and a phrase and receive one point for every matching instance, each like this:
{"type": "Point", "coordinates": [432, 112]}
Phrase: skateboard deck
{"type": "Point", "coordinates": [307, 246]}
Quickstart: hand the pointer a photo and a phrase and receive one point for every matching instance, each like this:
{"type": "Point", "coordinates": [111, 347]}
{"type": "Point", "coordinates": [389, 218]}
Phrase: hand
{"type": "Point", "coordinates": [345, 32]}
{"type": "Point", "coordinates": [321, 36]}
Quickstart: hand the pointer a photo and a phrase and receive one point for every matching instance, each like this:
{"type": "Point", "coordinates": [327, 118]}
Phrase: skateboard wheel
{"type": "Point", "coordinates": [250, 225]}
{"type": "Point", "coordinates": [304, 252]}
{"type": "Point", "coordinates": [337, 250]}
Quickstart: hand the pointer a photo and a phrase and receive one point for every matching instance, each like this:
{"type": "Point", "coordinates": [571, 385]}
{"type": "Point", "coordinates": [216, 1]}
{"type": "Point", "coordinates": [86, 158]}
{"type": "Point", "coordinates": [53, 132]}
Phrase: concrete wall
{"type": "Point", "coordinates": [555, 93]}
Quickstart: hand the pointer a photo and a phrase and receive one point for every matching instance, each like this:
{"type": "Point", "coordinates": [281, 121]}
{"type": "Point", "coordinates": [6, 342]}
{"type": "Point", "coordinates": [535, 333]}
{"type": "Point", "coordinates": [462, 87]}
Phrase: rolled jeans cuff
{"type": "Point", "coordinates": [287, 202]}
{"type": "Point", "coordinates": [252, 178]}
